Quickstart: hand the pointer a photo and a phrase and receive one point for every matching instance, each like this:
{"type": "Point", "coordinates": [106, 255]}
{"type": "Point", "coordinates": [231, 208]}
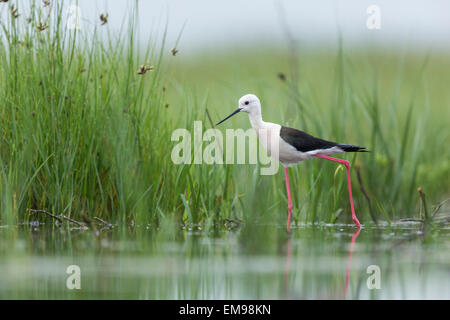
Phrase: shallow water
{"type": "Point", "coordinates": [252, 262]}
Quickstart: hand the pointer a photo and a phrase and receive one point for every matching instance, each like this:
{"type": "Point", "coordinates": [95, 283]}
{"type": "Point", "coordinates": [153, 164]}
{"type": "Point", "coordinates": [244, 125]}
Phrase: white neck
{"type": "Point", "coordinates": [256, 119]}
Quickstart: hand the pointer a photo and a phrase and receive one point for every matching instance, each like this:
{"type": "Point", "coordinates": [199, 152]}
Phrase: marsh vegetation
{"type": "Point", "coordinates": [85, 126]}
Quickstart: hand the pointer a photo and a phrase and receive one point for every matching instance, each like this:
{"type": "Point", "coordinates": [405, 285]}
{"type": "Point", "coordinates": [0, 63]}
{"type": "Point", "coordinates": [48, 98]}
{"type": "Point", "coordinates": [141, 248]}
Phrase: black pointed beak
{"type": "Point", "coordinates": [235, 111]}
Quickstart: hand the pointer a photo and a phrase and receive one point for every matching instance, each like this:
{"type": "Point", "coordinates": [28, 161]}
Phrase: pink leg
{"type": "Point", "coordinates": [347, 166]}
{"type": "Point", "coordinates": [288, 189]}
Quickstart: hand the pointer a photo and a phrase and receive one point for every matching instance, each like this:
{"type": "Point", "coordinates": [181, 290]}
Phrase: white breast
{"type": "Point", "coordinates": [269, 137]}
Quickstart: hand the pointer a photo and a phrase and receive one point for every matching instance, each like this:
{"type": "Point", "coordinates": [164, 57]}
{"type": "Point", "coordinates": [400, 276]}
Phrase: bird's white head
{"type": "Point", "coordinates": [250, 104]}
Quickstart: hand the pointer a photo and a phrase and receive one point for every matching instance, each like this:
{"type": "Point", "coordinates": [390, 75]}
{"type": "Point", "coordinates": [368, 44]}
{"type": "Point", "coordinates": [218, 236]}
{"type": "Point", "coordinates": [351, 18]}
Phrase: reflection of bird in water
{"type": "Point", "coordinates": [288, 262]}
{"type": "Point", "coordinates": [349, 260]}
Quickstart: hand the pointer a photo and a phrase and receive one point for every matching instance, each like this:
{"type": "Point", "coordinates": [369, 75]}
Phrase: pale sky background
{"type": "Point", "coordinates": [214, 24]}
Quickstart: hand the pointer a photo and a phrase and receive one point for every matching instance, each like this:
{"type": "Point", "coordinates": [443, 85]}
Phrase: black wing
{"type": "Point", "coordinates": [304, 142]}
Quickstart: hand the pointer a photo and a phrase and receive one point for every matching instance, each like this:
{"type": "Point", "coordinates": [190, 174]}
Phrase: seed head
{"type": "Point", "coordinates": [41, 27]}
{"type": "Point", "coordinates": [144, 68]}
{"type": "Point", "coordinates": [104, 18]}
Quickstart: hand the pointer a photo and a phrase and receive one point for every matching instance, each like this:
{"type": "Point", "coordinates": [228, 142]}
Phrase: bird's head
{"type": "Point", "coordinates": [248, 103]}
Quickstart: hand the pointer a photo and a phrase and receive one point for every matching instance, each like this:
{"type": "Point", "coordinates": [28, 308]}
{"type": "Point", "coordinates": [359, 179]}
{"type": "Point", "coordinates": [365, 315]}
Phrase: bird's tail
{"type": "Point", "coordinates": [352, 148]}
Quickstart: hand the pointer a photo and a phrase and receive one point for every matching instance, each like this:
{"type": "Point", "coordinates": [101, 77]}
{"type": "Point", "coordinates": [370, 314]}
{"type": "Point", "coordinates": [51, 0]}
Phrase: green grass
{"type": "Point", "coordinates": [82, 134]}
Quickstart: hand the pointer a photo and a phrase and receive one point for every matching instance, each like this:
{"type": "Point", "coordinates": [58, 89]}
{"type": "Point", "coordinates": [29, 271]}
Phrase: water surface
{"type": "Point", "coordinates": [251, 262]}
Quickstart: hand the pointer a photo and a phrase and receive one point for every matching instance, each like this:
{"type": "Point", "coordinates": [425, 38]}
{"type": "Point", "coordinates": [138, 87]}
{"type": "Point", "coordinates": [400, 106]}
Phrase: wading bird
{"type": "Point", "coordinates": [291, 146]}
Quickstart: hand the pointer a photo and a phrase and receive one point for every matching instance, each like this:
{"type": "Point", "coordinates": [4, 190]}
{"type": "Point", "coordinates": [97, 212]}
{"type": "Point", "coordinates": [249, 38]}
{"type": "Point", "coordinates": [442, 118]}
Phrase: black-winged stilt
{"type": "Point", "coordinates": [293, 145]}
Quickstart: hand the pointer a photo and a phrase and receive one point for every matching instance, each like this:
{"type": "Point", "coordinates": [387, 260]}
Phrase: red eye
{"type": "Point", "coordinates": [246, 102]}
